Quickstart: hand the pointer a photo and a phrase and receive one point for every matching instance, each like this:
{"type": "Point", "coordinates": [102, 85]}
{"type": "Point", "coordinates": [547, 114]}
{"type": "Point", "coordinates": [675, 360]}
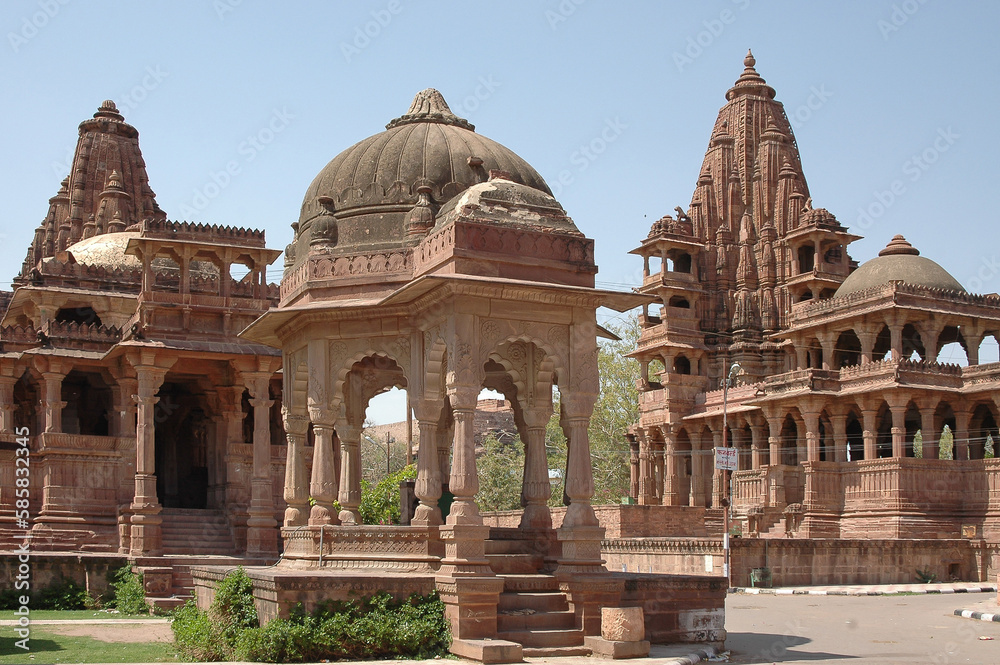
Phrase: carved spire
{"type": "Point", "coordinates": [107, 146]}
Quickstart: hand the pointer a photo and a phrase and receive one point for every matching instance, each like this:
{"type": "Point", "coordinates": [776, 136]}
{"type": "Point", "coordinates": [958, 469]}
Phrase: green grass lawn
{"type": "Point", "coordinates": [48, 647]}
{"type": "Point", "coordinates": [38, 615]}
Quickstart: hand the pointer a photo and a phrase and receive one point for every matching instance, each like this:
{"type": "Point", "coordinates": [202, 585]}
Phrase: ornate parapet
{"type": "Point", "coordinates": [400, 549]}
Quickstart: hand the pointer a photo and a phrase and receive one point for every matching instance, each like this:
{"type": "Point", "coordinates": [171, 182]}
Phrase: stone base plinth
{"type": "Point", "coordinates": [488, 651]}
{"type": "Point", "coordinates": [471, 605]}
{"type": "Point", "coordinates": [588, 594]}
{"type": "Point", "coordinates": [603, 648]}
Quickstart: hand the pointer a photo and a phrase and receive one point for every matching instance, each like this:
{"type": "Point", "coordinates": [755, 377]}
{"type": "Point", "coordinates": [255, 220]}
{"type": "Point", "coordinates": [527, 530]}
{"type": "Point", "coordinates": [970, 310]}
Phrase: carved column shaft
{"type": "Point", "coordinates": [7, 403]}
{"type": "Point", "coordinates": [536, 488]}
{"type": "Point", "coordinates": [146, 537]}
{"type": "Point", "coordinates": [323, 483]}
{"type": "Point", "coordinates": [697, 472]}
{"type": "Point", "coordinates": [839, 423]}
{"type": "Point", "coordinates": [52, 400]}
{"type": "Point", "coordinates": [296, 490]}
{"type": "Point", "coordinates": [869, 433]}
{"type": "Point", "coordinates": [928, 436]}
{"type": "Point", "coordinates": [262, 537]}
{"type": "Point", "coordinates": [350, 472]}
{"type": "Point", "coordinates": [670, 495]}
{"type": "Point", "coordinates": [464, 479]}
{"type": "Point", "coordinates": [898, 430]}
{"type": "Point", "coordinates": [960, 438]}
{"type": "Point", "coordinates": [811, 420]}
{"type": "Point", "coordinates": [647, 492]}
{"type": "Point", "coordinates": [428, 485]}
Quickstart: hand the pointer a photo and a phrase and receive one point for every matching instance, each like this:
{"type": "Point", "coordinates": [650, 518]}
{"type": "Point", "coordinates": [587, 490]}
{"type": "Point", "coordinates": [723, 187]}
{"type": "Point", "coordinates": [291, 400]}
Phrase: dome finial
{"type": "Point", "coordinates": [749, 61]}
{"type": "Point", "coordinates": [899, 245]}
{"type": "Point", "coordinates": [109, 110]}
{"type": "Point", "coordinates": [429, 106]}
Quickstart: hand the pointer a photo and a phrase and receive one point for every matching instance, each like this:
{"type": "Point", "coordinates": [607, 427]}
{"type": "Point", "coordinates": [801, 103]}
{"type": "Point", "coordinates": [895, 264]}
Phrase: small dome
{"type": "Point", "coordinates": [503, 202]}
{"type": "Point", "coordinates": [372, 186]}
{"type": "Point", "coordinates": [899, 261]}
{"type": "Point", "coordinates": [106, 250]}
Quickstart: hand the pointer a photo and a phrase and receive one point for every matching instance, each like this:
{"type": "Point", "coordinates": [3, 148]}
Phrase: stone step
{"type": "Point", "coordinates": [539, 602]}
{"type": "Point", "coordinates": [555, 652]}
{"type": "Point", "coordinates": [515, 564]}
{"type": "Point", "coordinates": [513, 621]}
{"type": "Point", "coordinates": [544, 638]}
{"type": "Point", "coordinates": [530, 583]}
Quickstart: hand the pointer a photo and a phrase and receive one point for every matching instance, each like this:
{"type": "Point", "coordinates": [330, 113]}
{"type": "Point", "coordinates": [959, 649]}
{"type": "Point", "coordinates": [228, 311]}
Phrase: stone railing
{"type": "Point", "coordinates": [749, 486]}
{"type": "Point", "coordinates": [229, 235]}
{"type": "Point", "coordinates": [18, 335]}
{"type": "Point", "coordinates": [72, 334]}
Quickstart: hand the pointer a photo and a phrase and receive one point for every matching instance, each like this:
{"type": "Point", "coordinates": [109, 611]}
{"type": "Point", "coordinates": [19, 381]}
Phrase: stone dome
{"type": "Point", "coordinates": [503, 202]}
{"type": "Point", "coordinates": [371, 187]}
{"type": "Point", "coordinates": [899, 261]}
{"type": "Point", "coordinates": [107, 250]}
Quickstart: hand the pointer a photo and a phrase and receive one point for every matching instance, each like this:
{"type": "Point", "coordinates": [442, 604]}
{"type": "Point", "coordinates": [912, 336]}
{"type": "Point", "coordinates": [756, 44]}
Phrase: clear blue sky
{"type": "Point", "coordinates": [886, 80]}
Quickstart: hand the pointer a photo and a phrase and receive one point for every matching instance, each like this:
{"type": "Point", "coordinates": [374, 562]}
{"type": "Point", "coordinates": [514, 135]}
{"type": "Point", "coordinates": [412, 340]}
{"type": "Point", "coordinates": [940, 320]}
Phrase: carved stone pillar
{"type": "Point", "coordinates": [869, 433]}
{"type": "Point", "coordinates": [633, 466]}
{"type": "Point", "coordinates": [960, 438]}
{"type": "Point", "coordinates": [323, 481]}
{"type": "Point", "coordinates": [52, 403]}
{"type": "Point", "coordinates": [774, 440]}
{"type": "Point", "coordinates": [428, 485]}
{"type": "Point", "coordinates": [670, 494]}
{"type": "Point", "coordinates": [7, 403]}
{"type": "Point", "coordinates": [839, 422]}
{"type": "Point", "coordinates": [296, 484]}
{"type": "Point", "coordinates": [262, 534]}
{"type": "Point", "coordinates": [697, 472]}
{"type": "Point", "coordinates": [146, 537]}
{"type": "Point", "coordinates": [928, 436]}
{"type": "Point", "coordinates": [718, 476]}
{"type": "Point", "coordinates": [826, 342]}
{"type": "Point", "coordinates": [464, 534]}
{"type": "Point", "coordinates": [659, 471]}
{"type": "Point", "coordinates": [757, 448]}
{"type": "Point", "coordinates": [811, 420]}
{"type": "Point", "coordinates": [647, 493]}
{"type": "Point", "coordinates": [801, 356]}
{"type": "Point", "coordinates": [535, 488]}
{"type": "Point", "coordinates": [349, 435]}
{"type": "Point", "coordinates": [896, 342]}
{"type": "Point", "coordinates": [898, 429]}
{"type": "Point", "coordinates": [867, 338]}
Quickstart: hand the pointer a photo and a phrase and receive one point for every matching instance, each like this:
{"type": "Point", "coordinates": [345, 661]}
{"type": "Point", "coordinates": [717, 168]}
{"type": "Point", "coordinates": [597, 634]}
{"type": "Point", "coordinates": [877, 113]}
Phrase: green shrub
{"type": "Point", "coordinates": [380, 504]}
{"type": "Point", "coordinates": [63, 594]}
{"type": "Point", "coordinates": [376, 627]}
{"type": "Point", "coordinates": [128, 595]}
{"type": "Point", "coordinates": [195, 635]}
{"type": "Point", "coordinates": [10, 599]}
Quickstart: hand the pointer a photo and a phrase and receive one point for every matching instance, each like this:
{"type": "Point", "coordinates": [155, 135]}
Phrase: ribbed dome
{"type": "Point", "coordinates": [106, 250]}
{"type": "Point", "coordinates": [377, 178]}
{"type": "Point", "coordinates": [899, 261]}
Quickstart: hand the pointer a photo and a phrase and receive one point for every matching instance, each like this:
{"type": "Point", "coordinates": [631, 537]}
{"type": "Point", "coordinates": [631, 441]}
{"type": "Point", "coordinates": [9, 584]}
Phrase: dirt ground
{"type": "Point", "coordinates": [114, 632]}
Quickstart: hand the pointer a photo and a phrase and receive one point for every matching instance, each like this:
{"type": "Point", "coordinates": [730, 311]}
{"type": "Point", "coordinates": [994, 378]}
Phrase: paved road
{"type": "Point", "coordinates": [867, 630]}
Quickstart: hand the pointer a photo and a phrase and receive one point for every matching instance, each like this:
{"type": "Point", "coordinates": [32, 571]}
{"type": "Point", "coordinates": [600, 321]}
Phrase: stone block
{"type": "Point", "coordinates": [622, 624]}
{"type": "Point", "coordinates": [603, 648]}
{"type": "Point", "coordinates": [487, 651]}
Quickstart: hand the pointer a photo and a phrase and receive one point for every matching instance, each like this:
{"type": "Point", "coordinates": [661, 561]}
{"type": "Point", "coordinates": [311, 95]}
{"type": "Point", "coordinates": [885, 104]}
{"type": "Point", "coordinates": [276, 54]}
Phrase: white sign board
{"type": "Point", "coordinates": [727, 459]}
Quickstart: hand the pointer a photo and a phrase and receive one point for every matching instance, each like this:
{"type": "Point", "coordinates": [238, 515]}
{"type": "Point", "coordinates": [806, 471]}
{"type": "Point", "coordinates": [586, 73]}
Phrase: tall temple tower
{"type": "Point", "coordinates": [106, 191]}
{"type": "Point", "coordinates": [749, 246]}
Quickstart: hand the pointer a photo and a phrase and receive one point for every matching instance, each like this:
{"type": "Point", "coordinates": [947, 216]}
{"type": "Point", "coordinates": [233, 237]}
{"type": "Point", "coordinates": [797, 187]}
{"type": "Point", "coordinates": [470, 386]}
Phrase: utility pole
{"type": "Point", "coordinates": [734, 371]}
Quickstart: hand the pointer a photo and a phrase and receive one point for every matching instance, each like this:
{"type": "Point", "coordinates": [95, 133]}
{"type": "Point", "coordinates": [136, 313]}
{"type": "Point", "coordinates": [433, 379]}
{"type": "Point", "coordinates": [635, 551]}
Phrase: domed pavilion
{"type": "Point", "coordinates": [431, 258]}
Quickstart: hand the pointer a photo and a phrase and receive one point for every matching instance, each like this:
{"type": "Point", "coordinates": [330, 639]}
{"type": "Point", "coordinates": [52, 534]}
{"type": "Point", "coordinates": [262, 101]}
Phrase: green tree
{"type": "Point", "coordinates": [501, 468]}
{"type": "Point", "coordinates": [946, 446]}
{"type": "Point", "coordinates": [918, 444]}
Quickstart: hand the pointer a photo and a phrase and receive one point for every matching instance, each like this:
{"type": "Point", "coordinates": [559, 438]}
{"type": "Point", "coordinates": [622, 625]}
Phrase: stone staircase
{"type": "Point", "coordinates": [532, 611]}
{"type": "Point", "coordinates": [535, 614]}
{"type": "Point", "coordinates": [192, 531]}
{"type": "Point", "coordinates": [168, 579]}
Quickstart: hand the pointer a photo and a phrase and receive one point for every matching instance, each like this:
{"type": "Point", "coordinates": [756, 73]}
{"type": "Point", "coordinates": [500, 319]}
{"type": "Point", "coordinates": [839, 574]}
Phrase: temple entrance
{"type": "Point", "coordinates": [182, 453]}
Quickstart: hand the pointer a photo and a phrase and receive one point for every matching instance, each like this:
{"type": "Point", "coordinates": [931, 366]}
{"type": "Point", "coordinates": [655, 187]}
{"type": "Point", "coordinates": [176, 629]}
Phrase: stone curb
{"type": "Point", "coordinates": [874, 591]}
{"type": "Point", "coordinates": [981, 616]}
{"type": "Point", "coordinates": [85, 622]}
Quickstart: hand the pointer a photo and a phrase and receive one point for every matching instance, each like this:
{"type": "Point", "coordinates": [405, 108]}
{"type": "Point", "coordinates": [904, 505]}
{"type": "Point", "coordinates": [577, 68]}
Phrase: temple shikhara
{"type": "Point", "coordinates": [186, 415]}
{"type": "Point", "coordinates": [837, 365]}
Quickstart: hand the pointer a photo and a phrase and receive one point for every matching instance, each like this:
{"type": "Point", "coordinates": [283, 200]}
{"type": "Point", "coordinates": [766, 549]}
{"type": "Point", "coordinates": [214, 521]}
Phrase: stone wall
{"type": "Point", "coordinates": [678, 608]}
{"type": "Point", "coordinates": [808, 562]}
{"type": "Point", "coordinates": [624, 521]}
{"type": "Point", "coordinates": [91, 571]}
